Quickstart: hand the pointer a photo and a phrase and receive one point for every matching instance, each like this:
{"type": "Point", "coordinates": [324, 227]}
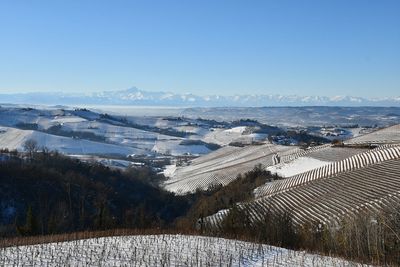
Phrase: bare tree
{"type": "Point", "coordinates": [31, 146]}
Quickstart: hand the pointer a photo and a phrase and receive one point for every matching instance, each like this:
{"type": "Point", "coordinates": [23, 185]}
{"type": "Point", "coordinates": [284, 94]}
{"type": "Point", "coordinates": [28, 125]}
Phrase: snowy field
{"type": "Point", "coordinates": [19, 124]}
{"type": "Point", "coordinates": [237, 134]}
{"type": "Point", "coordinates": [161, 250]}
{"type": "Point", "coordinates": [384, 136]}
{"type": "Point", "coordinates": [141, 136]}
{"type": "Point", "coordinates": [12, 138]}
{"type": "Point", "coordinates": [296, 166]}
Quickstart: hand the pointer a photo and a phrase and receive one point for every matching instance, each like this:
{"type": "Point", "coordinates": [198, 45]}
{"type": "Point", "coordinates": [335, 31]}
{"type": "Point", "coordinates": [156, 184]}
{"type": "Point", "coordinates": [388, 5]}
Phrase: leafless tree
{"type": "Point", "coordinates": [31, 146]}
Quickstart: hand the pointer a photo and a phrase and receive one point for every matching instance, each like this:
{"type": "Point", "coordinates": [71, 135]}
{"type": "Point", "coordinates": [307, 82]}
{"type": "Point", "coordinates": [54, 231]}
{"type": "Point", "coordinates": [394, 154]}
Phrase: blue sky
{"type": "Point", "coordinates": [203, 47]}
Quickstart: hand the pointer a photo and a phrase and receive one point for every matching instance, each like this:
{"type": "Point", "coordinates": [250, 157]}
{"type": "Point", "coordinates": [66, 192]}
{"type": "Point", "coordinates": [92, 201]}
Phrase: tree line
{"type": "Point", "coordinates": [49, 193]}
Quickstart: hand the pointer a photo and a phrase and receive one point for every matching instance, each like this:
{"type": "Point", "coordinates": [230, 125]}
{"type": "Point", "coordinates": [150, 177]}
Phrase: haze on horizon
{"type": "Point", "coordinates": [205, 47]}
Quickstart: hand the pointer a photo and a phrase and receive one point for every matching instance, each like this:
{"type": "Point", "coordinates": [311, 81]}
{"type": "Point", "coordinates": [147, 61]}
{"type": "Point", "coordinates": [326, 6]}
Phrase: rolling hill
{"type": "Point", "coordinates": [161, 250]}
{"type": "Point", "coordinates": [367, 181]}
{"type": "Point", "coordinates": [224, 165]}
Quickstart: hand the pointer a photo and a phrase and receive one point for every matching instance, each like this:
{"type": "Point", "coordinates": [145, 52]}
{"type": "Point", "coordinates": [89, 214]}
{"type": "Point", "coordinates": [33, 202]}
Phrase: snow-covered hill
{"type": "Point", "coordinates": [364, 180]}
{"type": "Point", "coordinates": [161, 250]}
{"type": "Point", "coordinates": [224, 165]}
{"type": "Point", "coordinates": [389, 135]}
{"type": "Point", "coordinates": [220, 167]}
{"type": "Point", "coordinates": [12, 138]}
{"type": "Point", "coordinates": [83, 132]}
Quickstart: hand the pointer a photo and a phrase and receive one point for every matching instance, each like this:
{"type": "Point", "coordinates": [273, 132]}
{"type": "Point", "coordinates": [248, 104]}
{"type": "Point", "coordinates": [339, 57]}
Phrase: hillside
{"type": "Point", "coordinates": [220, 167]}
{"type": "Point", "coordinates": [161, 250]}
{"type": "Point", "coordinates": [50, 193]}
{"type": "Point", "coordinates": [389, 135]}
{"type": "Point", "coordinates": [85, 132]}
{"type": "Point", "coordinates": [329, 183]}
{"type": "Point", "coordinates": [366, 182]}
{"type": "Point", "coordinates": [14, 139]}
{"type": "Point", "coordinates": [223, 165]}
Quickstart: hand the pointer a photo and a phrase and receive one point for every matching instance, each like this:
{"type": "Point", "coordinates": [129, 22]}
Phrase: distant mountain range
{"type": "Point", "coordinates": [135, 96]}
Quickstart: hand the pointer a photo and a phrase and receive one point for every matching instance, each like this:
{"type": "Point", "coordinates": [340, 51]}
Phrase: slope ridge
{"type": "Point", "coordinates": [354, 162]}
{"type": "Point", "coordinates": [389, 135]}
{"type": "Point", "coordinates": [329, 201]}
{"type": "Point", "coordinates": [223, 167]}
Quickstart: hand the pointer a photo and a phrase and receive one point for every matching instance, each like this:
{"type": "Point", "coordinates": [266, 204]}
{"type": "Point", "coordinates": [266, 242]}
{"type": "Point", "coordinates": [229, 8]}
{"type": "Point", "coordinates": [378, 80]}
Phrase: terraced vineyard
{"type": "Point", "coordinates": [161, 250]}
{"type": "Point", "coordinates": [328, 200]}
{"type": "Point", "coordinates": [221, 167]}
{"type": "Point", "coordinates": [385, 136]}
{"type": "Point", "coordinates": [364, 182]}
{"type": "Point", "coordinates": [348, 164]}
{"type": "Point", "coordinates": [303, 160]}
{"type": "Point", "coordinates": [290, 155]}
{"type": "Point", "coordinates": [333, 154]}
{"type": "Point", "coordinates": [326, 152]}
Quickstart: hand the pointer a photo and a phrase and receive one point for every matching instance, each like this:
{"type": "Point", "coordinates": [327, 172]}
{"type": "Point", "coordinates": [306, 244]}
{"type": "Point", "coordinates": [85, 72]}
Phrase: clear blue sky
{"type": "Point", "coordinates": [298, 47]}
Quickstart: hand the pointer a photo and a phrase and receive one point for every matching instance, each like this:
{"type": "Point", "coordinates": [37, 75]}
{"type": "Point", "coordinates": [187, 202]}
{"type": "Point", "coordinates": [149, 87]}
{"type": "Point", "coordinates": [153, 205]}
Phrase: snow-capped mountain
{"type": "Point", "coordinates": [135, 96]}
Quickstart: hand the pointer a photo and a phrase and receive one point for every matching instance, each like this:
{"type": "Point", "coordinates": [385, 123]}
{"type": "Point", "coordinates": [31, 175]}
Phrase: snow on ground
{"type": "Point", "coordinates": [161, 250]}
{"type": "Point", "coordinates": [223, 165]}
{"type": "Point", "coordinates": [221, 137]}
{"type": "Point", "coordinates": [335, 153]}
{"type": "Point", "coordinates": [108, 130]}
{"type": "Point", "coordinates": [355, 132]}
{"type": "Point", "coordinates": [258, 136]}
{"type": "Point", "coordinates": [120, 135]}
{"type": "Point", "coordinates": [297, 166]}
{"type": "Point", "coordinates": [239, 130]}
{"type": "Point", "coordinates": [11, 117]}
{"type": "Point", "coordinates": [67, 119]}
{"type": "Point", "coordinates": [237, 134]}
{"type": "Point", "coordinates": [12, 138]}
{"type": "Point", "coordinates": [220, 167]}
{"type": "Point", "coordinates": [81, 120]}
{"type": "Point", "coordinates": [169, 170]}
{"type": "Point", "coordinates": [43, 118]}
{"type": "Point", "coordinates": [383, 136]}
